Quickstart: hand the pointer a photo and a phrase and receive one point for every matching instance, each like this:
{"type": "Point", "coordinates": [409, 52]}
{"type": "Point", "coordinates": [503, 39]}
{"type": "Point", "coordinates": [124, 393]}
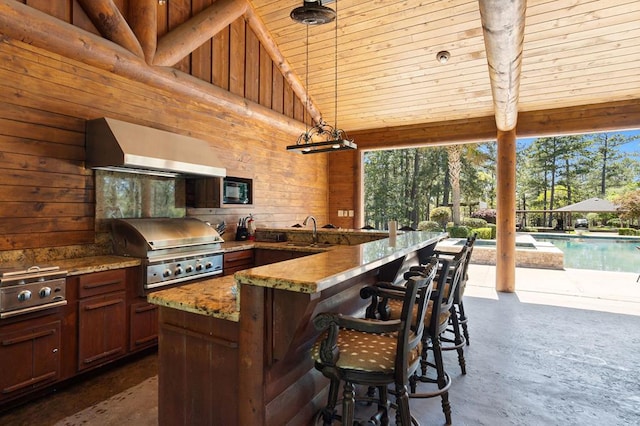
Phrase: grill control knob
{"type": "Point", "coordinates": [199, 267]}
{"type": "Point", "coordinates": [208, 265]}
{"type": "Point", "coordinates": [24, 295]}
{"type": "Point", "coordinates": [44, 292]}
{"type": "Point", "coordinates": [166, 273]}
{"type": "Point", "coordinates": [189, 269]}
{"type": "Point", "coordinates": [179, 270]}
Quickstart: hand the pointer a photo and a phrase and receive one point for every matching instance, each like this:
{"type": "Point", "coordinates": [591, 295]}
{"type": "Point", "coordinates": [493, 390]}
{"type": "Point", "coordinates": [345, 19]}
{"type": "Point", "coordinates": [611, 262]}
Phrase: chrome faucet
{"type": "Point", "coordinates": [315, 228]}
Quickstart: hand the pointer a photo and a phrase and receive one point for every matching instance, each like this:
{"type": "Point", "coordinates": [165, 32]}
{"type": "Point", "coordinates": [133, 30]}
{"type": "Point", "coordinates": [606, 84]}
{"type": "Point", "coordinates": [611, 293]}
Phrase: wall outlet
{"type": "Point", "coordinates": [350, 213]}
{"type": "Point", "coordinates": [340, 213]}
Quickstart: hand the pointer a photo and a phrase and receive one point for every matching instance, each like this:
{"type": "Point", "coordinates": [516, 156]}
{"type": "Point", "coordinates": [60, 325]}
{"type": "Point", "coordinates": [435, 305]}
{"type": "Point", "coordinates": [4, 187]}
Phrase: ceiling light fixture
{"type": "Point", "coordinates": [443, 56]}
{"type": "Point", "coordinates": [322, 137]}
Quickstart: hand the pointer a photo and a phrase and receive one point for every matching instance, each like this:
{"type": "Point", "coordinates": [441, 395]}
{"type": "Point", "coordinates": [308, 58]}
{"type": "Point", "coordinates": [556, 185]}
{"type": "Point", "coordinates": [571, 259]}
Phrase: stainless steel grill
{"type": "Point", "coordinates": [173, 250]}
{"type": "Point", "coordinates": [26, 290]}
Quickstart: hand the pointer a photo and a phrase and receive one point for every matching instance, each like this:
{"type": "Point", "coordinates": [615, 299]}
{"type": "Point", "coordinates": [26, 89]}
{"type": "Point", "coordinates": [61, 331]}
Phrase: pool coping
{"type": "Point", "coordinates": [541, 255]}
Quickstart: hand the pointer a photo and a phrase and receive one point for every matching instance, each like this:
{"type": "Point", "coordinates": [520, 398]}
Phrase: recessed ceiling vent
{"type": "Point", "coordinates": [313, 13]}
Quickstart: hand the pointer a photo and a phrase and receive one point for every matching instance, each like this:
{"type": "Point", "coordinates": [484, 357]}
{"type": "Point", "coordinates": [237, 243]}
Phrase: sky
{"type": "Point", "coordinates": [631, 147]}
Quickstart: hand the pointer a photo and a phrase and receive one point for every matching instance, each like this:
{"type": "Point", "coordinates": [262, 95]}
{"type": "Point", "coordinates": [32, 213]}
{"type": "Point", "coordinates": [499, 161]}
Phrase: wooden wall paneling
{"type": "Point", "coordinates": [288, 101]}
{"type": "Point", "coordinates": [80, 19]}
{"type": "Point", "coordinates": [201, 62]}
{"type": "Point", "coordinates": [298, 109]}
{"type": "Point", "coordinates": [60, 9]}
{"type": "Point", "coordinates": [237, 53]}
{"type": "Point", "coordinates": [179, 12]}
{"type": "Point", "coordinates": [220, 59]}
{"type": "Point", "coordinates": [252, 70]}
{"type": "Point", "coordinates": [60, 92]}
{"type": "Point", "coordinates": [265, 78]}
{"type": "Point", "coordinates": [163, 19]}
{"type": "Point", "coordinates": [277, 91]}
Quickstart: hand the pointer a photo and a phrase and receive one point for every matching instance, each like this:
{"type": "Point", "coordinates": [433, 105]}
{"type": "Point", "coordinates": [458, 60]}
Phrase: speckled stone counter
{"type": "Point", "coordinates": [312, 274]}
{"type": "Point", "coordinates": [213, 297]}
{"type": "Point", "coordinates": [85, 265]}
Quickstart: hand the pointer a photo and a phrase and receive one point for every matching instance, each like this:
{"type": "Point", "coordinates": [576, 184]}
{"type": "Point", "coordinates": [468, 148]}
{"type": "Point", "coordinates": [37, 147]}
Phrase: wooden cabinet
{"type": "Point", "coordinates": [143, 325]}
{"type": "Point", "coordinates": [266, 256]}
{"type": "Point", "coordinates": [237, 260]}
{"type": "Point", "coordinates": [29, 356]}
{"type": "Point", "coordinates": [102, 318]}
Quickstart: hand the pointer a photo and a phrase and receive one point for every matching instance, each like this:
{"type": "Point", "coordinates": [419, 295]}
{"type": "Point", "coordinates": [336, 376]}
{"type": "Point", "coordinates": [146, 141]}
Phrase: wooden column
{"type": "Point", "coordinates": [506, 212]}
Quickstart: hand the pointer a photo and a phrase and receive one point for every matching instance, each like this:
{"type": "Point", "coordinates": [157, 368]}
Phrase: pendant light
{"type": "Point", "coordinates": [322, 137]}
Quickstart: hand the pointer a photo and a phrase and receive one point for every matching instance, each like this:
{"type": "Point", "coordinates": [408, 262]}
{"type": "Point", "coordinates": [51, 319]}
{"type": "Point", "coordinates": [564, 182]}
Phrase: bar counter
{"type": "Point", "coordinates": [246, 361]}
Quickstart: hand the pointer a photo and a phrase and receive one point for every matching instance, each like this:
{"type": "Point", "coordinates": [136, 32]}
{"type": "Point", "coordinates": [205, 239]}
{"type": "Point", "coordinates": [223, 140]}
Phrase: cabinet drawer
{"type": "Point", "coordinates": [237, 261]}
{"type": "Point", "coordinates": [102, 282]}
{"type": "Point", "coordinates": [244, 256]}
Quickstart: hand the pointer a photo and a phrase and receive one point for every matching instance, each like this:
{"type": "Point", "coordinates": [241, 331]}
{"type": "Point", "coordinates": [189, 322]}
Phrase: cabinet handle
{"type": "Point", "coordinates": [146, 308]}
{"type": "Point", "coordinates": [102, 355]}
{"type": "Point", "coordinates": [30, 382]}
{"type": "Point", "coordinates": [100, 284]}
{"type": "Point", "coordinates": [28, 337]}
{"type": "Point", "coordinates": [145, 340]}
{"type": "Point", "coordinates": [103, 304]}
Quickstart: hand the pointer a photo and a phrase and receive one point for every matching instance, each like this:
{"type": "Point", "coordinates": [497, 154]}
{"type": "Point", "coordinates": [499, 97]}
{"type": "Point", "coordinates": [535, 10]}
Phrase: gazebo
{"type": "Point", "coordinates": [591, 205]}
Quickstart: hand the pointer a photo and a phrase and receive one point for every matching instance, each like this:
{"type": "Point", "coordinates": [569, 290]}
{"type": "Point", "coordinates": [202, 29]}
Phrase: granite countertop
{"type": "Point", "coordinates": [85, 265]}
{"type": "Point", "coordinates": [329, 266]}
{"type": "Point", "coordinates": [212, 297]}
{"type": "Point", "coordinates": [312, 274]}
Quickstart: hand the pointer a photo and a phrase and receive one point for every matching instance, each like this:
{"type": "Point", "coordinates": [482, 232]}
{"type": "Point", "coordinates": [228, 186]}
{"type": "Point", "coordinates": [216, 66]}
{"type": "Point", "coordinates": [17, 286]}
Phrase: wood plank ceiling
{"type": "Point", "coordinates": [576, 52]}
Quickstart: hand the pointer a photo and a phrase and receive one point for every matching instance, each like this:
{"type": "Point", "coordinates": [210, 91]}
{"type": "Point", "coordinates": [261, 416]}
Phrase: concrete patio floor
{"type": "Point", "coordinates": [562, 350]}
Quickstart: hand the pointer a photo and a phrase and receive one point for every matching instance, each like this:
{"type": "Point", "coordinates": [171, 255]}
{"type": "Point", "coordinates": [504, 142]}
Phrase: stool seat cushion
{"type": "Point", "coordinates": [395, 307]}
{"type": "Point", "coordinates": [366, 352]}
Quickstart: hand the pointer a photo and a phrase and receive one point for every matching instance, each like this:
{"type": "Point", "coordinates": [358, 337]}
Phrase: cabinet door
{"type": "Point", "coordinates": [237, 260]}
{"type": "Point", "coordinates": [29, 358]}
{"type": "Point", "coordinates": [102, 330]}
{"type": "Point", "coordinates": [143, 329]}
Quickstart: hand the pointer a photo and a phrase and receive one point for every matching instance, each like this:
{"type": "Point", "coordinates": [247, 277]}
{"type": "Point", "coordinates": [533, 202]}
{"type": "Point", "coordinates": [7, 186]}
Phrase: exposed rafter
{"type": "Point", "coordinates": [109, 21]}
{"type": "Point", "coordinates": [190, 35]}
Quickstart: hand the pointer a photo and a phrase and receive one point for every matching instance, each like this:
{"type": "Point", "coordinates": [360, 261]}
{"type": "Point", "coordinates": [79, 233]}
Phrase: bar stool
{"type": "Point", "coordinates": [439, 311]}
{"type": "Point", "coordinates": [458, 302]}
{"type": "Point", "coordinates": [374, 353]}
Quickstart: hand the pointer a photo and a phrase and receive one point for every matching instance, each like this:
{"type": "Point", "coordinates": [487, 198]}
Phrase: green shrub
{"type": "Point", "coordinates": [627, 231]}
{"type": "Point", "coordinates": [474, 222]}
{"type": "Point", "coordinates": [614, 222]}
{"type": "Point", "coordinates": [441, 215]}
{"type": "Point", "coordinates": [483, 233]}
{"type": "Point", "coordinates": [458, 231]}
{"type": "Point", "coordinates": [493, 228]}
{"type": "Point", "coordinates": [429, 225]}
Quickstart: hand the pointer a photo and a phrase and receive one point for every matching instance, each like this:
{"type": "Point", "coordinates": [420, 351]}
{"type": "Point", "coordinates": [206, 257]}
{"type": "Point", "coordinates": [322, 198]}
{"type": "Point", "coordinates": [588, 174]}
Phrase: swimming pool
{"type": "Point", "coordinates": [597, 252]}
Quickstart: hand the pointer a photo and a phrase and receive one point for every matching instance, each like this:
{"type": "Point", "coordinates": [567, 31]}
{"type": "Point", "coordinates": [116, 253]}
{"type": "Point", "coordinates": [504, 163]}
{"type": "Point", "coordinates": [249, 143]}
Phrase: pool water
{"type": "Point", "coordinates": [597, 253]}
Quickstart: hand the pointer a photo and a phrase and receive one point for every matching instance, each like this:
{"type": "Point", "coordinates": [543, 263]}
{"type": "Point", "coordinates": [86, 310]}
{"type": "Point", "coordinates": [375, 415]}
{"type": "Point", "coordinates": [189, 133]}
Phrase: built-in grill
{"type": "Point", "coordinates": [173, 250]}
{"type": "Point", "coordinates": [25, 290]}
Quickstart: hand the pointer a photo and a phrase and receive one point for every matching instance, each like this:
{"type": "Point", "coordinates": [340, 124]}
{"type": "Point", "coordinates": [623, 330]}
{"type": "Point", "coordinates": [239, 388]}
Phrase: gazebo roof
{"type": "Point", "coordinates": [592, 205]}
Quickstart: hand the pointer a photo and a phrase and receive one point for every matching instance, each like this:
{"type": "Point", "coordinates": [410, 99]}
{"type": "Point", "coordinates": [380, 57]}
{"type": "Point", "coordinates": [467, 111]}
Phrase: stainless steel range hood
{"type": "Point", "coordinates": [120, 146]}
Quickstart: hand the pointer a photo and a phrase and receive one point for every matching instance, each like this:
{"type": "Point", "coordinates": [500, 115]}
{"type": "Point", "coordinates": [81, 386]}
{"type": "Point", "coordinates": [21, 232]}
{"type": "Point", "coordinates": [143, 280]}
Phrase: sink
{"type": "Point", "coordinates": [310, 245]}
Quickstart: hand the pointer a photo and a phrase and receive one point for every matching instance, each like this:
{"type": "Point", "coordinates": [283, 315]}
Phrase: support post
{"type": "Point", "coordinates": [506, 212]}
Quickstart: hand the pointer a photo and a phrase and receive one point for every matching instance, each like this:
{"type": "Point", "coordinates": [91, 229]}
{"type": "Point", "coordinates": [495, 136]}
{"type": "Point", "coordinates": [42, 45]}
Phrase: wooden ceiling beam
{"type": "Point", "coordinates": [143, 18]}
{"type": "Point", "coordinates": [267, 41]}
{"type": "Point", "coordinates": [106, 17]}
{"type": "Point", "coordinates": [190, 35]}
{"type": "Point", "coordinates": [503, 28]}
